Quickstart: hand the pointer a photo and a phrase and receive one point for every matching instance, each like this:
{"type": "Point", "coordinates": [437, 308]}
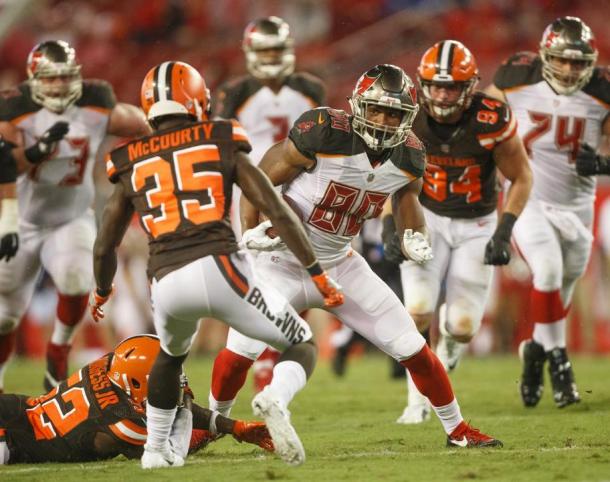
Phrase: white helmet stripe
{"type": "Point", "coordinates": [446, 57]}
{"type": "Point", "coordinates": [163, 81]}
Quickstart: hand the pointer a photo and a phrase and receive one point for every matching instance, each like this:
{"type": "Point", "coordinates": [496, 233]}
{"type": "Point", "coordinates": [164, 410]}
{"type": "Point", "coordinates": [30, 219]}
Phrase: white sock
{"type": "Point", "coordinates": [62, 333]}
{"type": "Point", "coordinates": [550, 335]}
{"type": "Point", "coordinates": [158, 425]}
{"type": "Point", "coordinates": [223, 407]}
{"type": "Point", "coordinates": [449, 415]}
{"type": "Point", "coordinates": [414, 396]}
{"type": "Point", "coordinates": [288, 378]}
{"type": "Point", "coordinates": [2, 370]}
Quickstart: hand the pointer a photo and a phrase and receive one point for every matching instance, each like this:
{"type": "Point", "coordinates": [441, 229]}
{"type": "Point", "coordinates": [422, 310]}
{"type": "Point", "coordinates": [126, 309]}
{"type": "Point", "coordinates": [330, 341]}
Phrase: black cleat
{"type": "Point", "coordinates": [532, 382]}
{"type": "Point", "coordinates": [562, 378]}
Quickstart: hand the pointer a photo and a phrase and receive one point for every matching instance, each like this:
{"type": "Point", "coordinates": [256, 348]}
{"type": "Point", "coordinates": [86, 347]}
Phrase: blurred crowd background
{"type": "Point", "coordinates": [337, 40]}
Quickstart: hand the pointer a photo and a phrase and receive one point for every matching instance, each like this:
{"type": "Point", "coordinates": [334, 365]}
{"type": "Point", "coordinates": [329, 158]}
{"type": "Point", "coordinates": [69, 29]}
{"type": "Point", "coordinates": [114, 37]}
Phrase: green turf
{"type": "Point", "coordinates": [348, 429]}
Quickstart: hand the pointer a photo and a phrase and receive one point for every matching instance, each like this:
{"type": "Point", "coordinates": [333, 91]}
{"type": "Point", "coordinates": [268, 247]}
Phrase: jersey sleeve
{"type": "Point", "coordinates": [310, 86]}
{"type": "Point", "coordinates": [523, 68]}
{"type": "Point", "coordinates": [490, 134]}
{"type": "Point", "coordinates": [130, 431]}
{"type": "Point", "coordinates": [97, 93]}
{"type": "Point", "coordinates": [411, 156]}
{"type": "Point", "coordinates": [599, 85]}
{"type": "Point", "coordinates": [318, 131]}
{"type": "Point", "coordinates": [240, 136]}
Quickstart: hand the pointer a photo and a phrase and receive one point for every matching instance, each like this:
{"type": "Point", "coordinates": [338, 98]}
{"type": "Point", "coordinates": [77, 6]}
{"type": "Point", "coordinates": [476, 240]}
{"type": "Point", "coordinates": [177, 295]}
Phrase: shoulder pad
{"type": "Point", "coordinates": [97, 93]}
{"type": "Point", "coordinates": [523, 68]}
{"type": "Point", "coordinates": [322, 130]}
{"type": "Point", "coordinates": [309, 85]}
{"type": "Point", "coordinates": [231, 95]}
{"type": "Point", "coordinates": [410, 156]}
{"type": "Point", "coordinates": [493, 121]}
{"type": "Point", "coordinates": [17, 102]}
{"type": "Point", "coordinates": [599, 85]}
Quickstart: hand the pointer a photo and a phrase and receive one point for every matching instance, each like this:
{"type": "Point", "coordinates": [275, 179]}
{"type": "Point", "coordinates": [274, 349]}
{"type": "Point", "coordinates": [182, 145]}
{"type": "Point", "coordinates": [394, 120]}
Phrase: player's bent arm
{"type": "Point", "coordinates": [281, 163]}
{"type": "Point", "coordinates": [127, 120]}
{"type": "Point", "coordinates": [493, 91]}
{"type": "Point", "coordinates": [107, 447]}
{"type": "Point", "coordinates": [115, 220]}
{"type": "Point", "coordinates": [262, 196]}
{"type": "Point", "coordinates": [408, 213]}
{"type": "Point", "coordinates": [511, 160]}
{"type": "Point", "coordinates": [12, 134]}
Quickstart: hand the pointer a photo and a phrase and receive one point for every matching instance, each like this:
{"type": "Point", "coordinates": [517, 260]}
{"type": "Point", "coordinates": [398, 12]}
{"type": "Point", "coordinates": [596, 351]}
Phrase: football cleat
{"type": "Point", "coordinates": [57, 365]}
{"type": "Point", "coordinates": [413, 414]}
{"type": "Point", "coordinates": [562, 378]}
{"type": "Point", "coordinates": [285, 439]}
{"type": "Point", "coordinates": [153, 459]}
{"type": "Point", "coordinates": [532, 355]}
{"type": "Point", "coordinates": [201, 438]}
{"type": "Point", "coordinates": [465, 436]}
{"type": "Point", "coordinates": [254, 433]}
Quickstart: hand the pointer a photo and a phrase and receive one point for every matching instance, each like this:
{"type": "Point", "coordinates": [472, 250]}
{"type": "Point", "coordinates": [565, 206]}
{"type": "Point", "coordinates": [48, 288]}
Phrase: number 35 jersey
{"type": "Point", "coordinates": [179, 181]}
{"type": "Point", "coordinates": [346, 186]}
{"type": "Point", "coordinates": [553, 126]}
{"type": "Point", "coordinates": [460, 178]}
{"type": "Point", "coordinates": [60, 189]}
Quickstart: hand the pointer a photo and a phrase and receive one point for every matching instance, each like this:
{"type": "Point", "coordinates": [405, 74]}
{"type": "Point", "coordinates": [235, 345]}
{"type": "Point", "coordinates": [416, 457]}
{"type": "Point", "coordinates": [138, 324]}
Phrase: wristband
{"type": "Point", "coordinates": [505, 226]}
{"type": "Point", "coordinates": [314, 269]}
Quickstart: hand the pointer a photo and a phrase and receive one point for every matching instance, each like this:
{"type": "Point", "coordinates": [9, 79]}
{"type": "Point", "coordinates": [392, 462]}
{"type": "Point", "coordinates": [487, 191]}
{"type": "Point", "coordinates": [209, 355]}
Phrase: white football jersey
{"type": "Point", "coordinates": [60, 189]}
{"type": "Point", "coordinates": [266, 115]}
{"type": "Point", "coordinates": [553, 127]}
{"type": "Point", "coordinates": [346, 187]}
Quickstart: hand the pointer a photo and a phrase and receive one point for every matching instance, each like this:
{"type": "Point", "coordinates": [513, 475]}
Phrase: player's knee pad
{"type": "Point", "coordinates": [8, 324]}
{"type": "Point", "coordinates": [244, 346]}
{"type": "Point", "coordinates": [406, 345]}
{"type": "Point", "coordinates": [419, 299]}
{"type": "Point", "coordinates": [422, 321]}
{"type": "Point", "coordinates": [462, 322]}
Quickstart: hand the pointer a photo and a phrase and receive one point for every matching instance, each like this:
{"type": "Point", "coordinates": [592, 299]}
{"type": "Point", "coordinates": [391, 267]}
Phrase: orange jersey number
{"type": "Point", "coordinates": [201, 198]}
{"type": "Point", "coordinates": [469, 183]}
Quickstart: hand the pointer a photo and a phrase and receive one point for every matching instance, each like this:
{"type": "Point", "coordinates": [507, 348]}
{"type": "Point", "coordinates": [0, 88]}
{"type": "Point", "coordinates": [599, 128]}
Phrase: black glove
{"type": "Point", "coordinates": [392, 251]}
{"type": "Point", "coordinates": [589, 163]}
{"type": "Point", "coordinates": [9, 244]}
{"type": "Point", "coordinates": [497, 250]}
{"type": "Point", "coordinates": [47, 143]}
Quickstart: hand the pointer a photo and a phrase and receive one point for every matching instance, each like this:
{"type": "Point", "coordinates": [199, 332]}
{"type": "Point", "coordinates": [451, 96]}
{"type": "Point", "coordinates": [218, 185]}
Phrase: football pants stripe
{"type": "Point", "coordinates": [231, 274]}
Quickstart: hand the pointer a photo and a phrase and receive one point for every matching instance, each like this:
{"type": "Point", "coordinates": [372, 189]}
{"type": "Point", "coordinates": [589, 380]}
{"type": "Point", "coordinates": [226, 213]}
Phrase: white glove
{"type": "Point", "coordinates": [416, 246]}
{"type": "Point", "coordinates": [257, 239]}
{"type": "Point", "coordinates": [180, 435]}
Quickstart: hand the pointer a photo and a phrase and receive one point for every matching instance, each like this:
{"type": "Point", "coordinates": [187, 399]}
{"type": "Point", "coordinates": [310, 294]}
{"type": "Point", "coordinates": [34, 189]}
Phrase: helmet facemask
{"type": "Point", "coordinates": [262, 39]}
{"type": "Point", "coordinates": [444, 109]}
{"type": "Point", "coordinates": [54, 76]}
{"type": "Point", "coordinates": [571, 39]}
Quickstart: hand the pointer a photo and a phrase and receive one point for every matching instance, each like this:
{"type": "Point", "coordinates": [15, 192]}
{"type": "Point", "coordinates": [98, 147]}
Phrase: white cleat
{"type": "Point", "coordinates": [413, 414]}
{"type": "Point", "coordinates": [152, 459]}
{"type": "Point", "coordinates": [285, 439]}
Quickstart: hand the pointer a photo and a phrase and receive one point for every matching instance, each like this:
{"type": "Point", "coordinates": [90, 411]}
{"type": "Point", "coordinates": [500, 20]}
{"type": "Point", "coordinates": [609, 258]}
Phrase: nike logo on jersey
{"type": "Point", "coordinates": [459, 443]}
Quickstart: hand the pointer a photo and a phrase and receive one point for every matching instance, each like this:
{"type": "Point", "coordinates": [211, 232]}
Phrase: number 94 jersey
{"type": "Point", "coordinates": [553, 126]}
{"type": "Point", "coordinates": [460, 178]}
{"type": "Point", "coordinates": [347, 185]}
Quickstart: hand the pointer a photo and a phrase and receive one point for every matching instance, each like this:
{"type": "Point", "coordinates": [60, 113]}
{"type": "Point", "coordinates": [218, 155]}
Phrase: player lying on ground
{"type": "Point", "coordinates": [99, 413]}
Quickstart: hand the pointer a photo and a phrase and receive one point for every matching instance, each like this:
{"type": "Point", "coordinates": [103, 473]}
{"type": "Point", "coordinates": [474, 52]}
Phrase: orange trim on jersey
{"type": "Point", "coordinates": [239, 133]}
{"type": "Point", "coordinates": [21, 118]}
{"type": "Point", "coordinates": [408, 174]}
{"type": "Point", "coordinates": [599, 101]}
{"type": "Point", "coordinates": [110, 169]}
{"type": "Point", "coordinates": [100, 110]}
{"type": "Point", "coordinates": [488, 141]}
{"type": "Point", "coordinates": [319, 154]}
{"type": "Point", "coordinates": [129, 431]}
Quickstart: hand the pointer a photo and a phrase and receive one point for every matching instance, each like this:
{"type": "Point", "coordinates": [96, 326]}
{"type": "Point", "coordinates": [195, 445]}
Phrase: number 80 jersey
{"type": "Point", "coordinates": [180, 183]}
{"type": "Point", "coordinates": [553, 127]}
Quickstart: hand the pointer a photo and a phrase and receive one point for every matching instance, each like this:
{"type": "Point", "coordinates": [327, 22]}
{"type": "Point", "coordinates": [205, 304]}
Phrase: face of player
{"type": "Point", "coordinates": [568, 71]}
{"type": "Point", "coordinates": [56, 86]}
{"type": "Point", "coordinates": [270, 56]}
{"type": "Point", "coordinates": [383, 115]}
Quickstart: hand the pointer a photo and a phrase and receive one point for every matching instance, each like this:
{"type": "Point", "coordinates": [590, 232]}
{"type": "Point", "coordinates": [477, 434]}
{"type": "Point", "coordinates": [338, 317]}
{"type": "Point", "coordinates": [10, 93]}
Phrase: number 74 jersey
{"type": "Point", "coordinates": [554, 126]}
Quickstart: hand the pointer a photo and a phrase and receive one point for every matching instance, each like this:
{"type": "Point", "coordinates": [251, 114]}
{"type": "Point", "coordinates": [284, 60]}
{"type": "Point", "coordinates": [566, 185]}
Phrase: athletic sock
{"type": "Point", "coordinates": [159, 423]}
{"type": "Point", "coordinates": [288, 378]}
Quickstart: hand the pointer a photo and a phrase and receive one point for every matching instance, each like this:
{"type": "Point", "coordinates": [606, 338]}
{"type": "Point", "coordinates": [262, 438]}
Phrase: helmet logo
{"type": "Point", "coordinates": [365, 83]}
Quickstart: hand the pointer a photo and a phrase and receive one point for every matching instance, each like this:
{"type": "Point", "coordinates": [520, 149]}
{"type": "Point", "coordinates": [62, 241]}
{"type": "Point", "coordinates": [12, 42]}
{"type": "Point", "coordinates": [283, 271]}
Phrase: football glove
{"type": "Point", "coordinates": [589, 163]}
{"type": "Point", "coordinates": [331, 290]}
{"type": "Point", "coordinates": [416, 246]}
{"type": "Point", "coordinates": [96, 301]}
{"type": "Point", "coordinates": [254, 433]}
{"type": "Point", "coordinates": [391, 242]}
{"type": "Point", "coordinates": [257, 238]}
{"type": "Point", "coordinates": [9, 244]}
{"type": "Point", "coordinates": [46, 145]}
{"type": "Point", "coordinates": [9, 228]}
{"type": "Point", "coordinates": [497, 250]}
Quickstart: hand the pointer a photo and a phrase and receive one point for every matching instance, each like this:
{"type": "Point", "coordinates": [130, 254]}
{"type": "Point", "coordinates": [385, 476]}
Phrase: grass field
{"type": "Point", "coordinates": [347, 427]}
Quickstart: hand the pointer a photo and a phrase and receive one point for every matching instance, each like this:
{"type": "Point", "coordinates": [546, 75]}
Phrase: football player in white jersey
{"type": "Point", "coordinates": [337, 171]}
{"type": "Point", "coordinates": [561, 101]}
{"type": "Point", "coordinates": [57, 121]}
{"type": "Point", "coordinates": [467, 135]}
{"type": "Point", "coordinates": [266, 102]}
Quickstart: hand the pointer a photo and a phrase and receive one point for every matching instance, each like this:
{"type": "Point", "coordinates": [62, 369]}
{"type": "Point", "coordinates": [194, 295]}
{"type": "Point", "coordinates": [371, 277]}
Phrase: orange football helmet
{"type": "Point", "coordinates": [174, 88]}
{"type": "Point", "coordinates": [447, 63]}
{"type": "Point", "coordinates": [131, 363]}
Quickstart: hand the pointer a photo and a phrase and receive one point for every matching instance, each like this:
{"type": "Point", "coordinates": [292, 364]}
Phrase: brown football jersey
{"type": "Point", "coordinates": [180, 183]}
{"type": "Point", "coordinates": [460, 178]}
